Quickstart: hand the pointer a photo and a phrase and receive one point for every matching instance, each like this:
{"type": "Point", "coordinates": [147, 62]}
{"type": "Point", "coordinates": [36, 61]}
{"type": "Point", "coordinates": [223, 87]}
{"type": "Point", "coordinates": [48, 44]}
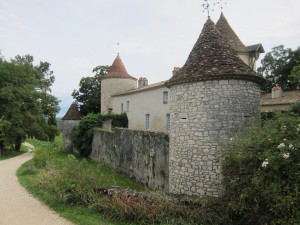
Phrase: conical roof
{"type": "Point", "coordinates": [230, 36]}
{"type": "Point", "coordinates": [212, 58]}
{"type": "Point", "coordinates": [72, 113]}
{"type": "Point", "coordinates": [118, 70]}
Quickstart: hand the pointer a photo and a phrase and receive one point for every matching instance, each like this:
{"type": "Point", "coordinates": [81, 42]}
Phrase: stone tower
{"type": "Point", "coordinates": [69, 122]}
{"type": "Point", "coordinates": [212, 96]}
{"type": "Point", "coordinates": [117, 80]}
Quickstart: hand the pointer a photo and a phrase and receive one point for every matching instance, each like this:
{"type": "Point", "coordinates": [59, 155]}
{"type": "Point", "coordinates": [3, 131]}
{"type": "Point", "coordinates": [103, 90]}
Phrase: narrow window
{"type": "Point", "coordinates": [147, 121]}
{"type": "Point", "coordinates": [122, 108]}
{"type": "Point", "coordinates": [165, 97]}
{"type": "Point", "coordinates": [168, 122]}
{"type": "Point", "coordinates": [127, 106]}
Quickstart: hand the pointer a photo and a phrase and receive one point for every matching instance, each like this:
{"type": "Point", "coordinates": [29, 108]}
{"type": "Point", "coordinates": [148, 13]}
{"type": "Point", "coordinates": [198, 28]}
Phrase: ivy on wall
{"type": "Point", "coordinates": [82, 135]}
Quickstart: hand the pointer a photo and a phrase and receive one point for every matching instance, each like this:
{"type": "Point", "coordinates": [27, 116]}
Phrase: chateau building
{"type": "Point", "coordinates": [148, 106]}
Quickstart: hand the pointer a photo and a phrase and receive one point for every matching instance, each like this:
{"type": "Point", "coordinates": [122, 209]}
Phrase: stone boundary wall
{"type": "Point", "coordinates": [142, 155]}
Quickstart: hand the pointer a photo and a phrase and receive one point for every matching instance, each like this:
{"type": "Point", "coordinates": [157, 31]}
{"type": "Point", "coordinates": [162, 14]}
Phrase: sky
{"type": "Point", "coordinates": [155, 36]}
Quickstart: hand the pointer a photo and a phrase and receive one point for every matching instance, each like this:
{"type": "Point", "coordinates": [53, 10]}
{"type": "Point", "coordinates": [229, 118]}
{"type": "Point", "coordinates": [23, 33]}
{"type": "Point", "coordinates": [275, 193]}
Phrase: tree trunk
{"type": "Point", "coordinates": [18, 144]}
{"type": "Point", "coordinates": [1, 148]}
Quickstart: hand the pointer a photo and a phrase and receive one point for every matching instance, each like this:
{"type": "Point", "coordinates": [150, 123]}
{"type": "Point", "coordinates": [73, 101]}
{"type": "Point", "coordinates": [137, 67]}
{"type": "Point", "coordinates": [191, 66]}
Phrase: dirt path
{"type": "Point", "coordinates": [17, 207]}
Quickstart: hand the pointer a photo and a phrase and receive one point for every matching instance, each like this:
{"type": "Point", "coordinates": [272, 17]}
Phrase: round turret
{"type": "Point", "coordinates": [116, 81]}
{"type": "Point", "coordinates": [213, 96]}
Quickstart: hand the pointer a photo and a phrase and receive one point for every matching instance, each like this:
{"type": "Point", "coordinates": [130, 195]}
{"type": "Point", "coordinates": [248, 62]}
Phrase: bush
{"type": "Point", "coordinates": [261, 170]}
{"type": "Point", "coordinates": [45, 152]}
{"type": "Point", "coordinates": [82, 136]}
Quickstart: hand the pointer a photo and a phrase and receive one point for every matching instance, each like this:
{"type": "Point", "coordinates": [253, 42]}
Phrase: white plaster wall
{"type": "Point", "coordinates": [142, 103]}
{"type": "Point", "coordinates": [112, 86]}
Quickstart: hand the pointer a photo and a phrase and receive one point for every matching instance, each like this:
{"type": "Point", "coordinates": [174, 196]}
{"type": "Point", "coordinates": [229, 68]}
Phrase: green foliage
{"type": "Point", "coordinates": [45, 152]}
{"type": "Point", "coordinates": [25, 99]}
{"type": "Point", "coordinates": [277, 67]}
{"type": "Point", "coordinates": [89, 94]}
{"type": "Point", "coordinates": [295, 108]}
{"type": "Point", "coordinates": [295, 74]}
{"type": "Point", "coordinates": [261, 173]}
{"type": "Point", "coordinates": [82, 135]}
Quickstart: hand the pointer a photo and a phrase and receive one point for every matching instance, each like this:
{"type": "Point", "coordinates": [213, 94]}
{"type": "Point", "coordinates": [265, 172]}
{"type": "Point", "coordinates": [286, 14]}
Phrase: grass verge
{"type": "Point", "coordinates": [30, 177]}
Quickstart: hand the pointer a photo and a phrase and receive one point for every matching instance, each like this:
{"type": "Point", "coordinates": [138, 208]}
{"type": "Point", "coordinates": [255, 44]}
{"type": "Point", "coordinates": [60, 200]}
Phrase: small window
{"type": "Point", "coordinates": [147, 122]}
{"type": "Point", "coordinates": [168, 122]}
{"type": "Point", "coordinates": [122, 108]}
{"type": "Point", "coordinates": [165, 97]}
{"type": "Point", "coordinates": [127, 106]}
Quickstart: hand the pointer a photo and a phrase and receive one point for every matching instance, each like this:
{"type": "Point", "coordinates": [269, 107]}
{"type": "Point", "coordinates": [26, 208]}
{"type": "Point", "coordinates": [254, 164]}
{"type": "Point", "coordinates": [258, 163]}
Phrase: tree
{"type": "Point", "coordinates": [277, 67]}
{"type": "Point", "coordinates": [26, 100]}
{"type": "Point", "coordinates": [89, 94]}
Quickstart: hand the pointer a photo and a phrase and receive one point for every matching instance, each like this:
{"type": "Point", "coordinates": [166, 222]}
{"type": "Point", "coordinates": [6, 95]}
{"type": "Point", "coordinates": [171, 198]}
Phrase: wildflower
{"type": "Point", "coordinates": [286, 155]}
{"type": "Point", "coordinates": [270, 139]}
{"type": "Point", "coordinates": [281, 146]}
{"type": "Point", "coordinates": [291, 146]}
{"type": "Point", "coordinates": [265, 163]}
{"type": "Point", "coordinates": [284, 139]}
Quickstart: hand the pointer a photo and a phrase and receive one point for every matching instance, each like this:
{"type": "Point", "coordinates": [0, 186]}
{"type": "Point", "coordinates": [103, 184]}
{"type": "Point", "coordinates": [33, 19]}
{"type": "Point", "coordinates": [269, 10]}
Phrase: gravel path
{"type": "Point", "coordinates": [17, 207]}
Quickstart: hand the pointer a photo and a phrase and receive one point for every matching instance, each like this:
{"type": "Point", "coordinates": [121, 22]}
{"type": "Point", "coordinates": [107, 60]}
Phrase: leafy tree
{"type": "Point", "coordinates": [26, 99]}
{"type": "Point", "coordinates": [295, 74]}
{"type": "Point", "coordinates": [89, 94]}
{"type": "Point", "coordinates": [277, 66]}
{"type": "Point", "coordinates": [4, 126]}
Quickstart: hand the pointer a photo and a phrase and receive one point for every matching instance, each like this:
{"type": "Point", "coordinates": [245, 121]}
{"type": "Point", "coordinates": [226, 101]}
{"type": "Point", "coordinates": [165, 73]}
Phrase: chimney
{"type": "Point", "coordinates": [142, 82]}
{"type": "Point", "coordinates": [276, 92]}
{"type": "Point", "coordinates": [145, 81]}
{"type": "Point", "coordinates": [176, 70]}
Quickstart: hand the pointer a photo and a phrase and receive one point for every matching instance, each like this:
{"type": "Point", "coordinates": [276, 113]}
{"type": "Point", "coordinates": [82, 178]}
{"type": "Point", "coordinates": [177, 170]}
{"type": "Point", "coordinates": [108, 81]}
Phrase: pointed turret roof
{"type": "Point", "coordinates": [228, 33]}
{"type": "Point", "coordinates": [212, 58]}
{"type": "Point", "coordinates": [72, 113]}
{"type": "Point", "coordinates": [118, 70]}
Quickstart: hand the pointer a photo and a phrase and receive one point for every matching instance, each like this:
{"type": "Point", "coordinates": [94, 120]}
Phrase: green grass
{"type": "Point", "coordinates": [81, 215]}
{"type": "Point", "coordinates": [12, 153]}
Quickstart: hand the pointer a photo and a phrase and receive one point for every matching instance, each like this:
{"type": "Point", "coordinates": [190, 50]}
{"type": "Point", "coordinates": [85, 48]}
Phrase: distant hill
{"type": "Point", "coordinates": [59, 122]}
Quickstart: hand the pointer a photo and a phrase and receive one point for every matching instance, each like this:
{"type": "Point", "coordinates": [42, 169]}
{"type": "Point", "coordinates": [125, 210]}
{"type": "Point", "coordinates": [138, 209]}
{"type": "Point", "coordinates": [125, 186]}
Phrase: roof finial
{"type": "Point", "coordinates": [222, 4]}
{"type": "Point", "coordinates": [118, 44]}
{"type": "Point", "coordinates": [207, 7]}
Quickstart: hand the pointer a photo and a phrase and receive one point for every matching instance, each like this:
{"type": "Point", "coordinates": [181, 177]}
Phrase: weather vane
{"type": "Point", "coordinates": [222, 4]}
{"type": "Point", "coordinates": [118, 44]}
{"type": "Point", "coordinates": [210, 7]}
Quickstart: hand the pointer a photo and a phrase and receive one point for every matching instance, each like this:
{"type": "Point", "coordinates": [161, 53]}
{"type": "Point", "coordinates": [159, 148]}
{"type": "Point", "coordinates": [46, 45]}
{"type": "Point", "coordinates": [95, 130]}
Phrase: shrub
{"type": "Point", "coordinates": [46, 151]}
{"type": "Point", "coordinates": [82, 136]}
{"type": "Point", "coordinates": [261, 170]}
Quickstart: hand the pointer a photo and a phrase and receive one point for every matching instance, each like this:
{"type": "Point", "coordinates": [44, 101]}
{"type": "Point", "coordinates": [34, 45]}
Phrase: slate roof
{"type": "Point", "coordinates": [289, 97]}
{"type": "Point", "coordinates": [255, 48]}
{"type": "Point", "coordinates": [229, 35]}
{"type": "Point", "coordinates": [72, 113]}
{"type": "Point", "coordinates": [118, 70]}
{"type": "Point", "coordinates": [212, 58]}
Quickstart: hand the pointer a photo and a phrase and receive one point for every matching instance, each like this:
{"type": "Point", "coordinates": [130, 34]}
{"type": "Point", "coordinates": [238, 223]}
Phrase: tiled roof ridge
{"type": "Point", "coordinates": [212, 58]}
{"type": "Point", "coordinates": [72, 113]}
{"type": "Point", "coordinates": [118, 70]}
{"type": "Point", "coordinates": [229, 35]}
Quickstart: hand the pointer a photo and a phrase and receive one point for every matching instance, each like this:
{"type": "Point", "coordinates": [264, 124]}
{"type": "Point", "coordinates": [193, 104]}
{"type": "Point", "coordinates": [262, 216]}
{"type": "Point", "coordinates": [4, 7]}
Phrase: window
{"type": "Point", "coordinates": [127, 106]}
{"type": "Point", "coordinates": [147, 122]}
{"type": "Point", "coordinates": [122, 108]}
{"type": "Point", "coordinates": [165, 97]}
{"type": "Point", "coordinates": [168, 122]}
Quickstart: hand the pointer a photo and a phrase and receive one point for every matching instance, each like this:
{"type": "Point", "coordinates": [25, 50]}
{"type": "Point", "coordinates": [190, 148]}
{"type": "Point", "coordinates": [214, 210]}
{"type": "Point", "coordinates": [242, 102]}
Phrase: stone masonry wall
{"type": "Point", "coordinates": [142, 155]}
{"type": "Point", "coordinates": [204, 115]}
{"type": "Point", "coordinates": [67, 128]}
